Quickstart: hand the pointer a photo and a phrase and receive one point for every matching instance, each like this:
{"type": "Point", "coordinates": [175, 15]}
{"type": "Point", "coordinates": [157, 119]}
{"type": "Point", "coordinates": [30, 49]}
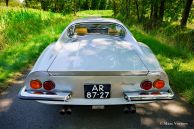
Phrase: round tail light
{"type": "Point", "coordinates": [146, 85]}
{"type": "Point", "coordinates": [35, 84]}
{"type": "Point", "coordinates": [49, 85]}
{"type": "Point", "coordinates": [159, 84]}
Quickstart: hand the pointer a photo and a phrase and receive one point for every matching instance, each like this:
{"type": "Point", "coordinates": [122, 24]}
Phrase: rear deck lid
{"type": "Point", "coordinates": [100, 55]}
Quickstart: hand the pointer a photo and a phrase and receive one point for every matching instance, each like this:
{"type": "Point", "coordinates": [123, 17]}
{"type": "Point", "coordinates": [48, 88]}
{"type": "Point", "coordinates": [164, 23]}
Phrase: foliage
{"type": "Point", "coordinates": [102, 13]}
{"type": "Point", "coordinates": [152, 12]}
{"type": "Point", "coordinates": [12, 3]}
{"type": "Point", "coordinates": [67, 6]}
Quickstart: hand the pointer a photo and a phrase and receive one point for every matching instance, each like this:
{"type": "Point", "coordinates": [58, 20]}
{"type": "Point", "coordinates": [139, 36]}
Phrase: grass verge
{"type": "Point", "coordinates": [24, 35]}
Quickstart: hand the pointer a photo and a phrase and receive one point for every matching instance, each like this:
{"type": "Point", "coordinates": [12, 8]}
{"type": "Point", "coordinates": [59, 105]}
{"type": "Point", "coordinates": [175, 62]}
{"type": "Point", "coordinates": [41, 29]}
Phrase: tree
{"type": "Point", "coordinates": [127, 6]}
{"type": "Point", "coordinates": [155, 10]}
{"type": "Point", "coordinates": [161, 9]}
{"type": "Point", "coordinates": [143, 11]}
{"type": "Point", "coordinates": [185, 13]}
{"type": "Point", "coordinates": [74, 7]}
{"type": "Point", "coordinates": [137, 9]}
{"type": "Point", "coordinates": [6, 1]}
{"type": "Point", "coordinates": [114, 8]}
{"type": "Point", "coordinates": [79, 5]}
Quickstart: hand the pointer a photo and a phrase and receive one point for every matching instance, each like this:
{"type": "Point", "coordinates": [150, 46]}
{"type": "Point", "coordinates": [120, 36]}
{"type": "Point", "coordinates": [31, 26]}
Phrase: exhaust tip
{"type": "Point", "coordinates": [68, 111]}
{"type": "Point", "coordinates": [65, 110]}
{"type": "Point", "coordinates": [62, 111]}
{"type": "Point", "coordinates": [125, 110]}
{"type": "Point", "coordinates": [132, 108]}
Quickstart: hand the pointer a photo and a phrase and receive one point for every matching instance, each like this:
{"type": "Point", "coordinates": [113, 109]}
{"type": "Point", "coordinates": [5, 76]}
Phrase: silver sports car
{"type": "Point", "coordinates": [96, 61]}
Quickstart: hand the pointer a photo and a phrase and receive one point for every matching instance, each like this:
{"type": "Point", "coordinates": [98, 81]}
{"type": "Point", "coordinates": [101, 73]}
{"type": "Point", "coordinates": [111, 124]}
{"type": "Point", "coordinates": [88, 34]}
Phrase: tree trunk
{"type": "Point", "coordinates": [161, 9]}
{"type": "Point", "coordinates": [89, 4]}
{"type": "Point", "coordinates": [74, 7]}
{"type": "Point", "coordinates": [7, 2]}
{"type": "Point", "coordinates": [79, 5]}
{"type": "Point", "coordinates": [56, 8]}
{"type": "Point", "coordinates": [151, 12]}
{"type": "Point", "coordinates": [128, 8]}
{"type": "Point", "coordinates": [27, 5]}
{"type": "Point", "coordinates": [114, 8]}
{"type": "Point", "coordinates": [142, 10]}
{"type": "Point", "coordinates": [137, 10]}
{"type": "Point", "coordinates": [185, 13]}
{"type": "Point", "coordinates": [98, 5]}
{"type": "Point", "coordinates": [155, 11]}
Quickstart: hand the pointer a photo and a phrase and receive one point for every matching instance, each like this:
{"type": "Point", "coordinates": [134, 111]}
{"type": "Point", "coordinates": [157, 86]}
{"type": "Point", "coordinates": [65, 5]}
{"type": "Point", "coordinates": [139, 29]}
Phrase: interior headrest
{"type": "Point", "coordinates": [81, 31]}
{"type": "Point", "coordinates": [112, 31]}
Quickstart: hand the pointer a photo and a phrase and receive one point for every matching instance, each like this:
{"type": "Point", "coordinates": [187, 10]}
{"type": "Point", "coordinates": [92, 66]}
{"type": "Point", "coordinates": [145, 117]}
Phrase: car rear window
{"type": "Point", "coordinates": [83, 29]}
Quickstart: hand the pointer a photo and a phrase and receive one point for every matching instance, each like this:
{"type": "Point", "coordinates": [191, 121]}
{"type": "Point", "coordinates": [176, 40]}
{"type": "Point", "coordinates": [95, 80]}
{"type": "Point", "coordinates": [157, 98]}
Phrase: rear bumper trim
{"type": "Point", "coordinates": [136, 96]}
{"type": "Point", "coordinates": [29, 95]}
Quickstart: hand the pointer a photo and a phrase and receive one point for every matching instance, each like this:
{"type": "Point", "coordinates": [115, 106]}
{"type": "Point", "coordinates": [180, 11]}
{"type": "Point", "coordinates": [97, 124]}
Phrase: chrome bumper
{"type": "Point", "coordinates": [64, 98]}
{"type": "Point", "coordinates": [136, 96]}
{"type": "Point", "coordinates": [30, 95]}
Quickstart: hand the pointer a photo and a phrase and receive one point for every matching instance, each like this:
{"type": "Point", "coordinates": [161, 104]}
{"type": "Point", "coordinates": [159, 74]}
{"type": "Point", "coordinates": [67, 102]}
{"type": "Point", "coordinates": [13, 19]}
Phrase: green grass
{"type": "Point", "coordinates": [102, 13]}
{"type": "Point", "coordinates": [24, 33]}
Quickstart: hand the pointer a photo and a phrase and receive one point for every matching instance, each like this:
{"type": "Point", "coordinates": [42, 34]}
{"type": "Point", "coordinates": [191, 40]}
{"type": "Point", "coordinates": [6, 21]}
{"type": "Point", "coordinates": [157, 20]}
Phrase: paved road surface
{"type": "Point", "coordinates": [23, 114]}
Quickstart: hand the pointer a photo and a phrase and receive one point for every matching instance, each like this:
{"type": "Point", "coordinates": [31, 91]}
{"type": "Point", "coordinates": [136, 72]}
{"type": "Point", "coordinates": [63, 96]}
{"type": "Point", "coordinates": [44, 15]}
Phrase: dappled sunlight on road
{"type": "Point", "coordinates": [176, 109]}
{"type": "Point", "coordinates": [168, 114]}
{"type": "Point", "coordinates": [4, 93]}
{"type": "Point", "coordinates": [18, 82]}
{"type": "Point", "coordinates": [5, 104]}
{"type": "Point", "coordinates": [7, 97]}
{"type": "Point", "coordinates": [148, 121]}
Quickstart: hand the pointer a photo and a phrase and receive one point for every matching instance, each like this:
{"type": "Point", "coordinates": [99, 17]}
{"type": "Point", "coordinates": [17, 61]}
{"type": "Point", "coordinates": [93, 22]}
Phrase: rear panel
{"type": "Point", "coordinates": [69, 90]}
{"type": "Point", "coordinates": [75, 84]}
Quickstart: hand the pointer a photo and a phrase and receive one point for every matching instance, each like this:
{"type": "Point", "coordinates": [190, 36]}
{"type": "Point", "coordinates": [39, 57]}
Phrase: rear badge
{"type": "Point", "coordinates": [97, 107]}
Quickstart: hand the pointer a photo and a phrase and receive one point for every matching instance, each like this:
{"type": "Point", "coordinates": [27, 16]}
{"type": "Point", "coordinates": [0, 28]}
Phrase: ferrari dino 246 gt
{"type": "Point", "coordinates": [96, 61]}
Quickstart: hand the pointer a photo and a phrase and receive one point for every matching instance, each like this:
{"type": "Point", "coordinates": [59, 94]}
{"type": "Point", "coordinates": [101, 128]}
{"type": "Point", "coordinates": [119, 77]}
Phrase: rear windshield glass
{"type": "Point", "coordinates": [83, 29]}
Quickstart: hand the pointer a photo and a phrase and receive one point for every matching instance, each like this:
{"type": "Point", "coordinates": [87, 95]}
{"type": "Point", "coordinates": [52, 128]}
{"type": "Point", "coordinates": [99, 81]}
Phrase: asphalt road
{"type": "Point", "coordinates": [23, 114]}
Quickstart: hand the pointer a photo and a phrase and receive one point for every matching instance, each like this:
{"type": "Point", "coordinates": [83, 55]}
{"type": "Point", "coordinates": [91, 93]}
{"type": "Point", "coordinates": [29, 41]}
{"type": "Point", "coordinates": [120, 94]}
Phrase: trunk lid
{"type": "Point", "coordinates": [98, 55]}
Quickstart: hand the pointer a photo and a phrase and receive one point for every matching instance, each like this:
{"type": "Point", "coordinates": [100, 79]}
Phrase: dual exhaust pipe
{"type": "Point", "coordinates": [131, 108]}
{"type": "Point", "coordinates": [65, 110]}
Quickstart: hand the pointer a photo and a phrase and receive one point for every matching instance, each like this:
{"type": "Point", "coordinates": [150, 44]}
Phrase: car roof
{"type": "Point", "coordinates": [96, 19]}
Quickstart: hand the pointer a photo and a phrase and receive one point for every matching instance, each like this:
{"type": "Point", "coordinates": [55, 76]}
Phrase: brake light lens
{"type": "Point", "coordinates": [35, 84]}
{"type": "Point", "coordinates": [159, 84]}
{"type": "Point", "coordinates": [49, 85]}
{"type": "Point", "coordinates": [146, 85]}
